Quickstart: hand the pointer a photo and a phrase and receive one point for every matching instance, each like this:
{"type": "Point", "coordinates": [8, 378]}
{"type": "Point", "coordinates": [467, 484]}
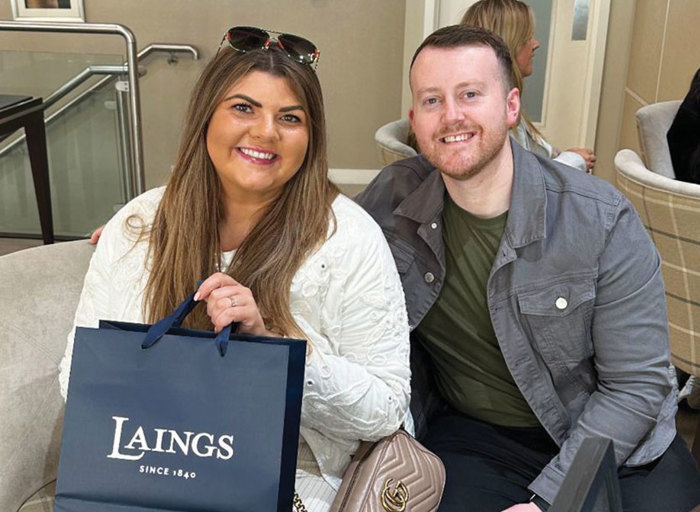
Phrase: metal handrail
{"type": "Point", "coordinates": [139, 180]}
{"type": "Point", "coordinates": [80, 78]}
{"type": "Point", "coordinates": [169, 47]}
{"type": "Point", "coordinates": [74, 82]}
{"type": "Point", "coordinates": [111, 71]}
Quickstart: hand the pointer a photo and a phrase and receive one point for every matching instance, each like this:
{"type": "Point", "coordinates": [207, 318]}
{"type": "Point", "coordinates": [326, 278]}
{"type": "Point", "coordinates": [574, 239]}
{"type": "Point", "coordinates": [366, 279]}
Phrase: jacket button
{"type": "Point", "coordinates": [434, 225]}
{"type": "Point", "coordinates": [561, 303]}
{"type": "Point", "coordinates": [429, 277]}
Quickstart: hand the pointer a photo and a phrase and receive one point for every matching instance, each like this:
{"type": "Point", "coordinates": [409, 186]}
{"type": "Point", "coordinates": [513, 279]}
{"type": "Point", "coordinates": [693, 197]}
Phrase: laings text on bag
{"type": "Point", "coordinates": [201, 444]}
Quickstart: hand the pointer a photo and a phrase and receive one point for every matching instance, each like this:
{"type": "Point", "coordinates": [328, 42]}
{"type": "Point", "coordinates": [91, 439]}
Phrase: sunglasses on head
{"type": "Point", "coordinates": [245, 39]}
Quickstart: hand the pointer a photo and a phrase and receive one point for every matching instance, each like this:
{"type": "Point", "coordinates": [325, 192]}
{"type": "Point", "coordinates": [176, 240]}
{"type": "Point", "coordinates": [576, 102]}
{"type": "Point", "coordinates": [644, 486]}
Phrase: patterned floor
{"type": "Point", "coordinates": [8, 245]}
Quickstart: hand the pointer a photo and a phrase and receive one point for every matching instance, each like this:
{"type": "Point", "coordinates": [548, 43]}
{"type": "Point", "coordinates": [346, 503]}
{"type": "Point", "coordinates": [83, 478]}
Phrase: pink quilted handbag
{"type": "Point", "coordinates": [395, 474]}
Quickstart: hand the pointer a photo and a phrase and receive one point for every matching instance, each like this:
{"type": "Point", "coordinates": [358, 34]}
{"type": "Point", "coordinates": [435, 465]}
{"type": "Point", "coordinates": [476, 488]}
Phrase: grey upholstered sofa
{"type": "Point", "coordinates": [39, 289]}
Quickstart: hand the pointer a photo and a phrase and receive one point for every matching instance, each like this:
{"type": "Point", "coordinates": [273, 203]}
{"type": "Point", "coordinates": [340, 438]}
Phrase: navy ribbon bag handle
{"type": "Point", "coordinates": [175, 319]}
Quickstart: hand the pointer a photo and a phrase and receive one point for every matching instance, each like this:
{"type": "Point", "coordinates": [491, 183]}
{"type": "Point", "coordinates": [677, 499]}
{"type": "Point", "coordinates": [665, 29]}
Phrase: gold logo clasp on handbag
{"type": "Point", "coordinates": [394, 500]}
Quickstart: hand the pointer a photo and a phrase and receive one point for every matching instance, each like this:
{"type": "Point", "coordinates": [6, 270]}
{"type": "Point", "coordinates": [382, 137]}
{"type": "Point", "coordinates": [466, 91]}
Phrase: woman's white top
{"type": "Point", "coordinates": [538, 145]}
{"type": "Point", "coordinates": [346, 297]}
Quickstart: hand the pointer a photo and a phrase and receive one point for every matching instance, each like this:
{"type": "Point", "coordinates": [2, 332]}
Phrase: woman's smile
{"type": "Point", "coordinates": [257, 156]}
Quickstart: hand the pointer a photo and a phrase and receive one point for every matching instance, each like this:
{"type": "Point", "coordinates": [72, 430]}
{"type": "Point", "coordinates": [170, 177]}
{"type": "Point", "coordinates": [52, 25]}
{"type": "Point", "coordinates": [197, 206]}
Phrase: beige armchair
{"type": "Point", "coordinates": [40, 288]}
{"type": "Point", "coordinates": [653, 122]}
{"type": "Point", "coordinates": [391, 141]}
{"type": "Point", "coordinates": [670, 210]}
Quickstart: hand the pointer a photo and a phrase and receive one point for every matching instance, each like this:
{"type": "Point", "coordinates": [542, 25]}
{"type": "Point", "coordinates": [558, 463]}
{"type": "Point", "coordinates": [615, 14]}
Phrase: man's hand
{"type": "Point", "coordinates": [96, 235]}
{"type": "Point", "coordinates": [523, 507]}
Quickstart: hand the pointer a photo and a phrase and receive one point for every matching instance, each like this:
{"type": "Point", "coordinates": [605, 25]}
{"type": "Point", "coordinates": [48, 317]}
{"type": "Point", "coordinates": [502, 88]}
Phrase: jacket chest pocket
{"type": "Point", "coordinates": [559, 319]}
{"type": "Point", "coordinates": [403, 253]}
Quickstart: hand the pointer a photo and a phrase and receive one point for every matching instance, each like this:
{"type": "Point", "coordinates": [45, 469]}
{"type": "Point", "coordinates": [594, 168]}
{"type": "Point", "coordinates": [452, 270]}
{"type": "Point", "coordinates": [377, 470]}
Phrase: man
{"type": "Point", "coordinates": [534, 295]}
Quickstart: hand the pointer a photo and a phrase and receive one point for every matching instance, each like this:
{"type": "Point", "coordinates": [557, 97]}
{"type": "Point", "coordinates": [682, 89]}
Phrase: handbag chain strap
{"type": "Point", "coordinates": [298, 504]}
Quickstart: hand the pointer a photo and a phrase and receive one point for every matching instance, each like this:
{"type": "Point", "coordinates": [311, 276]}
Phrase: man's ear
{"type": "Point", "coordinates": [411, 115]}
{"type": "Point", "coordinates": [513, 107]}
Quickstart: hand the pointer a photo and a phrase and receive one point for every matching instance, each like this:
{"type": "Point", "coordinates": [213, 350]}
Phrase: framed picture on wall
{"type": "Point", "coordinates": [48, 10]}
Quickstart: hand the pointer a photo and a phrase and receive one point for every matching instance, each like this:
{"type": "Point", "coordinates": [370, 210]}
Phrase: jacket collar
{"type": "Point", "coordinates": [425, 203]}
{"type": "Point", "coordinates": [527, 216]}
{"type": "Point", "coordinates": [528, 203]}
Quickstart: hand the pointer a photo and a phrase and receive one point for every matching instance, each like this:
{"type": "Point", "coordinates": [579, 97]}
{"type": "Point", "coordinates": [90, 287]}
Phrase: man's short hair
{"type": "Point", "coordinates": [456, 36]}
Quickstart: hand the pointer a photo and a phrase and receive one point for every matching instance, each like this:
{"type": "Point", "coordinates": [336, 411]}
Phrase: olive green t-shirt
{"type": "Point", "coordinates": [471, 373]}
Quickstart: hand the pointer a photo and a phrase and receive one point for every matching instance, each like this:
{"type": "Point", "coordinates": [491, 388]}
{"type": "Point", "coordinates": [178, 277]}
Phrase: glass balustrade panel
{"type": "Point", "coordinates": [85, 150]}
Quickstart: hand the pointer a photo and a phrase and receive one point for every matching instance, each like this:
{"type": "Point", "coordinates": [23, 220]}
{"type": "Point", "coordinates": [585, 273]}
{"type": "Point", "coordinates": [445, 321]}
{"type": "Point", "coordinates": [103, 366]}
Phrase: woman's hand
{"type": "Point", "coordinates": [229, 301]}
{"type": "Point", "coordinates": [96, 235]}
{"type": "Point", "coordinates": [587, 155]}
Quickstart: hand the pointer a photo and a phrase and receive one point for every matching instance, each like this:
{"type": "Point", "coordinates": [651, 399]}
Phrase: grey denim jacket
{"type": "Point", "coordinates": [575, 296]}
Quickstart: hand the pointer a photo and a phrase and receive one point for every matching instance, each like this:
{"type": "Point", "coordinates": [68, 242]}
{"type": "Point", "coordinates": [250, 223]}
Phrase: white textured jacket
{"type": "Point", "coordinates": [346, 297]}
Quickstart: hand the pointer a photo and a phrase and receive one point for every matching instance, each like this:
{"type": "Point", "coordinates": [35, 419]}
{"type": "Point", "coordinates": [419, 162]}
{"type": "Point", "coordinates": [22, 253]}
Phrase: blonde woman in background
{"type": "Point", "coordinates": [513, 21]}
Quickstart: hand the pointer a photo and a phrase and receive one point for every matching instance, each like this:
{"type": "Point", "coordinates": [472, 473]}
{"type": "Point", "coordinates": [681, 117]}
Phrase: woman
{"type": "Point", "coordinates": [513, 21]}
{"type": "Point", "coordinates": [249, 204]}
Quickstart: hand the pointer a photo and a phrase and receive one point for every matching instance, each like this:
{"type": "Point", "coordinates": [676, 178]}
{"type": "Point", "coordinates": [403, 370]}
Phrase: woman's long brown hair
{"type": "Point", "coordinates": [184, 244]}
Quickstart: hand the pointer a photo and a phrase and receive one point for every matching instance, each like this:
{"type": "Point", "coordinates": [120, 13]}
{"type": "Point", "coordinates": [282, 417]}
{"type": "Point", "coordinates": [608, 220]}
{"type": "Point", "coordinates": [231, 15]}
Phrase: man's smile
{"type": "Point", "coordinates": [456, 138]}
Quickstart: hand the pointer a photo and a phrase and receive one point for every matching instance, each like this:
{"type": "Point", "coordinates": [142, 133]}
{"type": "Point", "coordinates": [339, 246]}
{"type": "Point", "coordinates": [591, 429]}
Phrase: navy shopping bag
{"type": "Point", "coordinates": [194, 422]}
